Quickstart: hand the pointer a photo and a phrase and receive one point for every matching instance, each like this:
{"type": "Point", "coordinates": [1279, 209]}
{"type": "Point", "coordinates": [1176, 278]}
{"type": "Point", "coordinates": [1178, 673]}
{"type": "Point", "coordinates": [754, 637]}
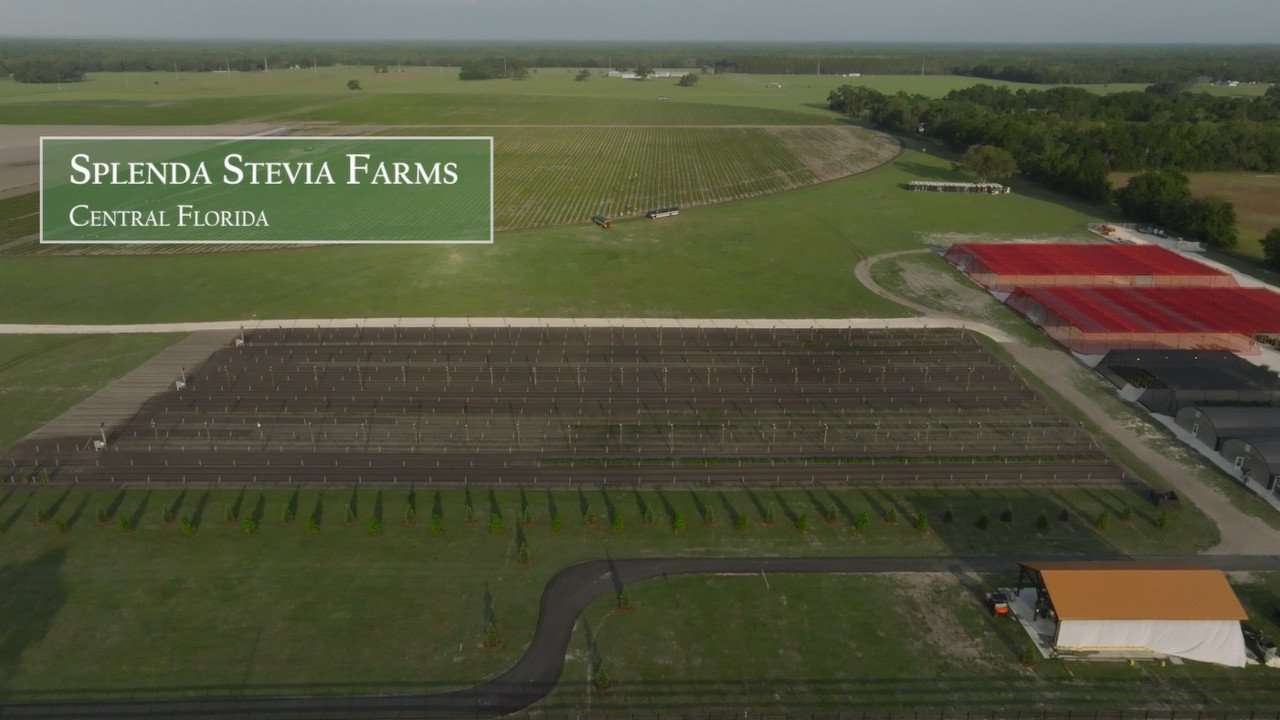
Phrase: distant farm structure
{"type": "Point", "coordinates": [657, 73]}
{"type": "Point", "coordinates": [984, 188]}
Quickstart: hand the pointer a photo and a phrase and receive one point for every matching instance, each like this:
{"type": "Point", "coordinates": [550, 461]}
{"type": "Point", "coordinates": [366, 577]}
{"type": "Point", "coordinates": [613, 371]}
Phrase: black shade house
{"type": "Point", "coordinates": [1257, 457]}
{"type": "Point", "coordinates": [1213, 426]}
{"type": "Point", "coordinates": [1171, 380]}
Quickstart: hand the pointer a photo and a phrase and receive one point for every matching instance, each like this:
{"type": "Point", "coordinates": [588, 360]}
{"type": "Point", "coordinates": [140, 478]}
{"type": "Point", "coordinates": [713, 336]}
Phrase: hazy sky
{"type": "Point", "coordinates": [1148, 21]}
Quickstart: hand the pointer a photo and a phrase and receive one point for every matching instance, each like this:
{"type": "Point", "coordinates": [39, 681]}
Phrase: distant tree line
{"type": "Point", "coordinates": [1145, 65]}
{"type": "Point", "coordinates": [1059, 65]}
{"type": "Point", "coordinates": [493, 69]}
{"type": "Point", "coordinates": [1071, 140]}
{"type": "Point", "coordinates": [46, 70]}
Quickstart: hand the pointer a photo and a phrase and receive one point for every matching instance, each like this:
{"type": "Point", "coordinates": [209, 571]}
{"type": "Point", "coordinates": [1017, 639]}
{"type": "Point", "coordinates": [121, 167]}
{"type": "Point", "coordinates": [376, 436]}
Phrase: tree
{"type": "Point", "coordinates": [1211, 220]}
{"type": "Point", "coordinates": [988, 162]}
{"type": "Point", "coordinates": [643, 71]}
{"type": "Point", "coordinates": [353, 84]}
{"type": "Point", "coordinates": [583, 75]}
{"type": "Point", "coordinates": [854, 101]}
{"type": "Point", "coordinates": [483, 69]}
{"type": "Point", "coordinates": [1164, 197]}
{"type": "Point", "coordinates": [1271, 249]}
{"type": "Point", "coordinates": [47, 71]}
{"type": "Point", "coordinates": [1154, 196]}
{"type": "Point", "coordinates": [689, 80]}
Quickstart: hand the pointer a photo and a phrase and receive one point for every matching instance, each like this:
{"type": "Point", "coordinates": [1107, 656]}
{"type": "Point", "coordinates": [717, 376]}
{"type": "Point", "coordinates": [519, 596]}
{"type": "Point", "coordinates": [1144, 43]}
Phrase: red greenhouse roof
{"type": "Point", "coordinates": [1083, 259]}
{"type": "Point", "coordinates": [1246, 311]}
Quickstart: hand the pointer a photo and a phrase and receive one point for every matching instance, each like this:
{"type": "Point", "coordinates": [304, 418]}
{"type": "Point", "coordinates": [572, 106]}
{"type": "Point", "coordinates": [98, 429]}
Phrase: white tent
{"type": "Point", "coordinates": [1119, 608]}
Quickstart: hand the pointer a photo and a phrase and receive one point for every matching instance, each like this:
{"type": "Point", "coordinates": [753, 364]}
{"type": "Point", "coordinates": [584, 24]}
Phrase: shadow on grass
{"type": "Point", "coordinates": [259, 509]}
{"type": "Point", "coordinates": [197, 514]}
{"type": "Point", "coordinates": [42, 597]}
{"type": "Point", "coordinates": [842, 507]}
{"type": "Point", "coordinates": [175, 507]}
{"type": "Point", "coordinates": [12, 519]}
{"type": "Point", "coordinates": [930, 172]}
{"type": "Point", "coordinates": [138, 512]}
{"type": "Point", "coordinates": [78, 512]}
{"type": "Point", "coordinates": [964, 535]}
{"type": "Point", "coordinates": [108, 512]}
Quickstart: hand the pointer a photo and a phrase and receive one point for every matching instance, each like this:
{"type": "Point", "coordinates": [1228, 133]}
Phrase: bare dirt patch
{"type": "Point", "coordinates": [923, 280]}
{"type": "Point", "coordinates": [835, 152]}
{"type": "Point", "coordinates": [925, 597]}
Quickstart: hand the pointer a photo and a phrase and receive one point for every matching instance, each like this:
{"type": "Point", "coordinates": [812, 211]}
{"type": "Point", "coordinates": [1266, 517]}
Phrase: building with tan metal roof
{"type": "Point", "coordinates": [1119, 609]}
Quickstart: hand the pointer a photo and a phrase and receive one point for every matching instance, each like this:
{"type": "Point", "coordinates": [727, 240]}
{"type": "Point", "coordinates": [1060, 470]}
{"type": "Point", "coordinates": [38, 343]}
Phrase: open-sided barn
{"type": "Point", "coordinates": [1004, 266]}
{"type": "Point", "coordinates": [1170, 380]}
{"type": "Point", "coordinates": [1125, 609]}
{"type": "Point", "coordinates": [1096, 320]}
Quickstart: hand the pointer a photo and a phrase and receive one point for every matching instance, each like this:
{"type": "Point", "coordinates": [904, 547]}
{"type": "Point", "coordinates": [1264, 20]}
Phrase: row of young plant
{"type": "Point", "coordinates": [663, 512]}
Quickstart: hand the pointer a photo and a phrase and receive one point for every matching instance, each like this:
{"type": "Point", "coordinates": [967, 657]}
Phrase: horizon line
{"type": "Point", "coordinates": [1114, 44]}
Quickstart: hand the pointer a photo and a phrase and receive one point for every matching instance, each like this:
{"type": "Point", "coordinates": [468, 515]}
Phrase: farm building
{"type": "Point", "coordinates": [1096, 320]}
{"type": "Point", "coordinates": [662, 212]}
{"type": "Point", "coordinates": [1213, 426]}
{"type": "Point", "coordinates": [1127, 610]}
{"type": "Point", "coordinates": [1170, 380]}
{"type": "Point", "coordinates": [1004, 266]}
{"type": "Point", "coordinates": [987, 188]}
{"type": "Point", "coordinates": [1257, 458]}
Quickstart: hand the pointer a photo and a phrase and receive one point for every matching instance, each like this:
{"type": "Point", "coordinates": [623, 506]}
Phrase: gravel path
{"type": "Point", "coordinates": [456, 322]}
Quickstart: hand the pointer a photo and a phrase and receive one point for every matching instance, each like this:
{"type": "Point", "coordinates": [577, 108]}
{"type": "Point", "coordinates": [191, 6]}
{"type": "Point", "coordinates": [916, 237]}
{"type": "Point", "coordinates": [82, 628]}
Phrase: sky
{"type": "Point", "coordinates": [976, 21]}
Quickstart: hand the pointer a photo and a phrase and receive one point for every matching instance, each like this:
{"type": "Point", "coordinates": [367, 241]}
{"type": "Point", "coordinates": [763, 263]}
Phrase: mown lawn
{"type": "Point", "coordinates": [333, 609]}
{"type": "Point", "coordinates": [41, 376]}
{"type": "Point", "coordinates": [785, 255]}
{"type": "Point", "coordinates": [905, 643]}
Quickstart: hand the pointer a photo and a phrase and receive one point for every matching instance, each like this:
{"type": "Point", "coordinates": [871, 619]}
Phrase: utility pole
{"type": "Point", "coordinates": [265, 65]}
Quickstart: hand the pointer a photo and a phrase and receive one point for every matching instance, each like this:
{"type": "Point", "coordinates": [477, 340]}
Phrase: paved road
{"type": "Point", "coordinates": [538, 671]}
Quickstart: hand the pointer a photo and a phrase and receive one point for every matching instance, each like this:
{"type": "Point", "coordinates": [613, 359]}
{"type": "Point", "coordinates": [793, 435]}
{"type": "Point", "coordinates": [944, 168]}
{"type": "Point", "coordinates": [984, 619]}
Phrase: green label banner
{"type": "Point", "coordinates": [275, 190]}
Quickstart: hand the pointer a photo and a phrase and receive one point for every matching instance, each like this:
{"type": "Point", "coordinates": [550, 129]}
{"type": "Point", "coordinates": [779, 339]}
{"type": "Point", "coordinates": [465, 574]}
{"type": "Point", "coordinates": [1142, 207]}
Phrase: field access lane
{"type": "Point", "coordinates": [515, 322]}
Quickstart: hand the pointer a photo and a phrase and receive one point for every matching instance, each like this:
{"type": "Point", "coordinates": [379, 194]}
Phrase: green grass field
{"type": "Point", "coordinates": [782, 255]}
{"type": "Point", "coordinates": [896, 643]}
{"type": "Point", "coordinates": [41, 376]}
{"type": "Point", "coordinates": [287, 609]}
{"type": "Point", "coordinates": [435, 95]}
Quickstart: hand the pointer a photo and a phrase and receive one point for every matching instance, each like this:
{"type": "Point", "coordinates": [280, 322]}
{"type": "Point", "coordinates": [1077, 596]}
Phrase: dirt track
{"type": "Point", "coordinates": [20, 145]}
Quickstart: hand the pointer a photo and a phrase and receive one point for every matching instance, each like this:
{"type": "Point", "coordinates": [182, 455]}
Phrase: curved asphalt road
{"type": "Point", "coordinates": [537, 672]}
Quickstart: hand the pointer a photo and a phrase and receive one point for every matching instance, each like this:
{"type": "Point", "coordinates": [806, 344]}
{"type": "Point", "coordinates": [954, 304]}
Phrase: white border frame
{"type": "Point", "coordinates": [250, 243]}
